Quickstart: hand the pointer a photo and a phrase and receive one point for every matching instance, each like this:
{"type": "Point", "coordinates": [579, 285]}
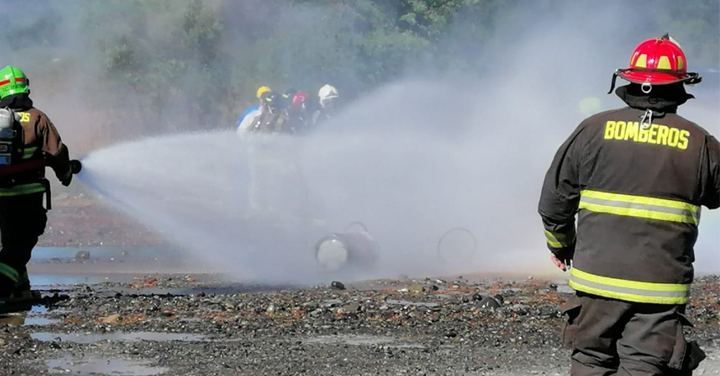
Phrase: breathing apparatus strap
{"type": "Point", "coordinates": [31, 165]}
{"type": "Point", "coordinates": [690, 79]}
{"type": "Point", "coordinates": [48, 194]}
{"type": "Point", "coordinates": [22, 167]}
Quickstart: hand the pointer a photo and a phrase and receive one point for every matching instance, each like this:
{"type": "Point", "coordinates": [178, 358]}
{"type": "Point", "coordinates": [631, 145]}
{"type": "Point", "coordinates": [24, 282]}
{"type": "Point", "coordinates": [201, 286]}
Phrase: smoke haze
{"type": "Point", "coordinates": [411, 158]}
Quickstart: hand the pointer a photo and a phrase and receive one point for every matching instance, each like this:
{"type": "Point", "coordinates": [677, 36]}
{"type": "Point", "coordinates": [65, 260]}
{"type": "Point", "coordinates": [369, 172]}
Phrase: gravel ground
{"type": "Point", "coordinates": [197, 325]}
{"type": "Point", "coordinates": [81, 219]}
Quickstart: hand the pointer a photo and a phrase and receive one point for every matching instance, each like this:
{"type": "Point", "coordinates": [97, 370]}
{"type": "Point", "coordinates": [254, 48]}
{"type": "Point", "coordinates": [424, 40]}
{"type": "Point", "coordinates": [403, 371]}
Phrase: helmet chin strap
{"type": "Point", "coordinates": [690, 79]}
{"type": "Point", "coordinates": [612, 81]}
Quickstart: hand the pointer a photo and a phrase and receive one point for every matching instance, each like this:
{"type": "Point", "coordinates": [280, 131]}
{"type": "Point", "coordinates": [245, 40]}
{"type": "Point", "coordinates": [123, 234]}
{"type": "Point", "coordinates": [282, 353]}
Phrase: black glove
{"type": "Point", "coordinates": [565, 254]}
{"type": "Point", "coordinates": [67, 179]}
{"type": "Point", "coordinates": [75, 167]}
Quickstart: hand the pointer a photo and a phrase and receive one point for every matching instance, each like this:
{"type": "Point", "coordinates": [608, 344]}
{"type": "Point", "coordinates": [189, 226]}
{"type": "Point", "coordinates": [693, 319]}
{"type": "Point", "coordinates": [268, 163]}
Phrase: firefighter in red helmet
{"type": "Point", "coordinates": [636, 178]}
{"type": "Point", "coordinates": [300, 112]}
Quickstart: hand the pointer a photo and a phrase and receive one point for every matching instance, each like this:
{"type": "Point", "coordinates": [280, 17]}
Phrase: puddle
{"type": "Point", "coordinates": [409, 303]}
{"type": "Point", "coordinates": [57, 281]}
{"type": "Point", "coordinates": [34, 317]}
{"type": "Point", "coordinates": [40, 321]}
{"type": "Point", "coordinates": [37, 317]}
{"type": "Point", "coordinates": [352, 340]}
{"type": "Point", "coordinates": [103, 366]}
{"type": "Point", "coordinates": [210, 290]}
{"type": "Point", "coordinates": [134, 253]}
{"type": "Point", "coordinates": [363, 340]}
{"type": "Point", "coordinates": [117, 336]}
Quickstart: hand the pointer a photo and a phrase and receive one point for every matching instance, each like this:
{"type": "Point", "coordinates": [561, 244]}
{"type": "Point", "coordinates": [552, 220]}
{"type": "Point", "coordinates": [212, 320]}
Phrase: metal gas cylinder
{"type": "Point", "coordinates": [354, 249]}
{"type": "Point", "coordinates": [7, 135]}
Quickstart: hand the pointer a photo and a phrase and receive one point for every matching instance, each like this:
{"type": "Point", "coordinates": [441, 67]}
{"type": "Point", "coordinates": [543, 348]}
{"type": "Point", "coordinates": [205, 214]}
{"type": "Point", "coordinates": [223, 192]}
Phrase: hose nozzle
{"type": "Point", "coordinates": [75, 166]}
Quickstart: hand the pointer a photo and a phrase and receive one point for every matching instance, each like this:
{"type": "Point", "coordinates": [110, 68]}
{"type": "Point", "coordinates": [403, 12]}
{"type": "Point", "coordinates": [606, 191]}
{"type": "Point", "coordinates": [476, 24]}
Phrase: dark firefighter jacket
{"type": "Point", "coordinates": [43, 146]}
{"type": "Point", "coordinates": [637, 191]}
{"type": "Point", "coordinates": [270, 122]}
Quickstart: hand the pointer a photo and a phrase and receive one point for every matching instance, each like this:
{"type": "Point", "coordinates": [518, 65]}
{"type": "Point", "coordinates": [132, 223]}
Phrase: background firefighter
{"type": "Point", "coordinates": [36, 144]}
{"type": "Point", "coordinates": [300, 113]}
{"type": "Point", "coordinates": [327, 97]}
{"type": "Point", "coordinates": [636, 177]}
{"type": "Point", "coordinates": [257, 130]}
{"type": "Point", "coordinates": [277, 186]}
{"type": "Point", "coordinates": [300, 199]}
{"type": "Point", "coordinates": [256, 107]}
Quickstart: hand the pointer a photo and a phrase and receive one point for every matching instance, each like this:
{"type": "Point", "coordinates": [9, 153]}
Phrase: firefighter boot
{"type": "Point", "coordinates": [12, 293]}
{"type": "Point", "coordinates": [22, 290]}
{"type": "Point", "coordinates": [23, 284]}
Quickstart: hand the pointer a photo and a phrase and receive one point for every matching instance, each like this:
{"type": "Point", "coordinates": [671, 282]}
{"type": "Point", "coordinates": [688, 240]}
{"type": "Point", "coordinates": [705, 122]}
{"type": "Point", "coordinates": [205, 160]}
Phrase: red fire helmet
{"type": "Point", "coordinates": [300, 98]}
{"type": "Point", "coordinates": [658, 61]}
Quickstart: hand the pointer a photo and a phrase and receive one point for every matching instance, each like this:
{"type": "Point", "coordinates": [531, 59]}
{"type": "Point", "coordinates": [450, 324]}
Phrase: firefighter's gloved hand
{"type": "Point", "coordinates": [563, 257]}
{"type": "Point", "coordinates": [67, 180]}
{"type": "Point", "coordinates": [75, 167]}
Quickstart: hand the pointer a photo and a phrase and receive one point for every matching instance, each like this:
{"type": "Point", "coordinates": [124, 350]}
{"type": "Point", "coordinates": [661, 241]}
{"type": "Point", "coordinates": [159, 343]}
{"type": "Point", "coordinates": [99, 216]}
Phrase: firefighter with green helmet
{"type": "Point", "coordinates": [28, 143]}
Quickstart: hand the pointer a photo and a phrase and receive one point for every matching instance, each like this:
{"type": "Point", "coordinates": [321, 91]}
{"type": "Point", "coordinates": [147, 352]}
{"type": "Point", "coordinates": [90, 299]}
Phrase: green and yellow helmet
{"type": "Point", "coordinates": [13, 81]}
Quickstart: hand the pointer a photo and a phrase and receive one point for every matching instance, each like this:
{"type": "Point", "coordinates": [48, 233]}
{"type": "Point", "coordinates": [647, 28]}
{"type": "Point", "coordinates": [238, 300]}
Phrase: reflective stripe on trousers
{"type": "Point", "coordinates": [631, 291]}
{"type": "Point", "coordinates": [639, 207]}
{"type": "Point", "coordinates": [9, 272]}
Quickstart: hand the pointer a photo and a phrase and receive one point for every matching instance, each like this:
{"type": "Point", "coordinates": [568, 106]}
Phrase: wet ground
{"type": "Point", "coordinates": [201, 324]}
{"type": "Point", "coordinates": [105, 310]}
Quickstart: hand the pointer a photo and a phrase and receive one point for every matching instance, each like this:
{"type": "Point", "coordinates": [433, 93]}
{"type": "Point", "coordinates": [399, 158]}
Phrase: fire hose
{"type": "Point", "coordinates": [75, 168]}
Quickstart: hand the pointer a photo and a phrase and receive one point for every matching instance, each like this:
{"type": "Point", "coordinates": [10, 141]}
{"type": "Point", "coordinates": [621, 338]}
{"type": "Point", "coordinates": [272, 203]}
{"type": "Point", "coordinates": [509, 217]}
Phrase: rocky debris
{"type": "Point", "coordinates": [415, 289]}
{"type": "Point", "coordinates": [337, 285]}
{"type": "Point", "coordinates": [463, 326]}
{"type": "Point", "coordinates": [490, 302]}
{"type": "Point", "coordinates": [146, 283]}
{"type": "Point", "coordinates": [82, 255]}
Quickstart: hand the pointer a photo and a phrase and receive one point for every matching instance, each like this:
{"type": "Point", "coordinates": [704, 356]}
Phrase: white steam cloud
{"type": "Point", "coordinates": [411, 160]}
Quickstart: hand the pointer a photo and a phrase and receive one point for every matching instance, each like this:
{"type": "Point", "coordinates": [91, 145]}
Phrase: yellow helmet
{"type": "Point", "coordinates": [261, 90]}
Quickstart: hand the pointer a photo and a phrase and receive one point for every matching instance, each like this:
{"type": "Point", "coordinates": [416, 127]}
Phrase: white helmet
{"type": "Point", "coordinates": [327, 92]}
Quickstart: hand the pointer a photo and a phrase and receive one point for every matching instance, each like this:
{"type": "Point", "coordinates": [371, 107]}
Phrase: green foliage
{"type": "Point", "coordinates": [190, 64]}
{"type": "Point", "coordinates": [692, 23]}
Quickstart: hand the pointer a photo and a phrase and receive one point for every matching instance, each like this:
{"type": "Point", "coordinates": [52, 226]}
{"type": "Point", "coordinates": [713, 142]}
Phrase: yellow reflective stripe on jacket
{"type": "Point", "coordinates": [640, 207]}
{"type": "Point", "coordinates": [29, 152]}
{"type": "Point", "coordinates": [9, 272]}
{"type": "Point", "coordinates": [632, 291]}
{"type": "Point", "coordinates": [22, 189]}
{"type": "Point", "coordinates": [556, 240]}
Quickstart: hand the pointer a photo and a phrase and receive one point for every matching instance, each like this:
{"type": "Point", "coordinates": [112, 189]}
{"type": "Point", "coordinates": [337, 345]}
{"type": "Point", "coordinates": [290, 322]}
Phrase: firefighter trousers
{"type": "Point", "coordinates": [22, 221]}
{"type": "Point", "coordinates": [613, 337]}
